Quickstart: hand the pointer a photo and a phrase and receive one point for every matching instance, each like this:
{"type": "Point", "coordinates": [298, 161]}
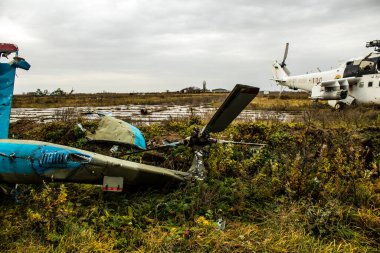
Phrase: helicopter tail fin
{"type": "Point", "coordinates": [280, 73]}
{"type": "Point", "coordinates": [7, 78]}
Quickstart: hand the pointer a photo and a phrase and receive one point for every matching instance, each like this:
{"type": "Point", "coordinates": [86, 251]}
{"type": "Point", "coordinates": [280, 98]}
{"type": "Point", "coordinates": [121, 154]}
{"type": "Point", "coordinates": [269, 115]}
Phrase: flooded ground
{"type": "Point", "coordinates": [143, 113]}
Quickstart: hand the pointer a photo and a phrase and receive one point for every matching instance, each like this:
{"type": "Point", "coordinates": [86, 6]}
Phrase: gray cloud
{"type": "Point", "coordinates": [165, 44]}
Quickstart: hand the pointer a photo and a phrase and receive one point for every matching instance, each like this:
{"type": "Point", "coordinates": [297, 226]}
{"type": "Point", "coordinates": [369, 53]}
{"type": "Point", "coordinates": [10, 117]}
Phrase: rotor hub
{"type": "Point", "coordinates": [375, 44]}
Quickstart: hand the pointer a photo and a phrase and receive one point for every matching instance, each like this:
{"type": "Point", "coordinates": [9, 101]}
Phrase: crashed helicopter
{"type": "Point", "coordinates": [355, 81]}
{"type": "Point", "coordinates": [33, 162]}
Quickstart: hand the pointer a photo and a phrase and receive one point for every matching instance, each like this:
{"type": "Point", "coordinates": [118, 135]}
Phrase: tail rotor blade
{"type": "Point", "coordinates": [236, 101]}
{"type": "Point", "coordinates": [285, 55]}
{"type": "Point", "coordinates": [286, 70]}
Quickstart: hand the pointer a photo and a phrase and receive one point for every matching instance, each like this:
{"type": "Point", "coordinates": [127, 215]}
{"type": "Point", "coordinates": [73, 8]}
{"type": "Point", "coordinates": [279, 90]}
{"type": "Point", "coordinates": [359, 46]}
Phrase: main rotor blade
{"type": "Point", "coordinates": [236, 101]}
{"type": "Point", "coordinates": [167, 145]}
{"type": "Point", "coordinates": [238, 142]}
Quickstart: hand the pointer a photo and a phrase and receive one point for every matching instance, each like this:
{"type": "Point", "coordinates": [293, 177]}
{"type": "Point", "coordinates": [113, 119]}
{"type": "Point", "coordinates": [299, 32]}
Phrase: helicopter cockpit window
{"type": "Point", "coordinates": [366, 65]}
{"type": "Point", "coordinates": [349, 63]}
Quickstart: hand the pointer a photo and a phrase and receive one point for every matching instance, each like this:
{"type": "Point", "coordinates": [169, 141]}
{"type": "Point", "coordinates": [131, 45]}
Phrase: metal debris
{"type": "Point", "coordinates": [114, 149]}
{"type": "Point", "coordinates": [221, 224]}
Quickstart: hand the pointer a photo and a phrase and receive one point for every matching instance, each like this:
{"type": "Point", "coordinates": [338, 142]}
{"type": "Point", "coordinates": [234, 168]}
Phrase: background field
{"type": "Point", "coordinates": [287, 100]}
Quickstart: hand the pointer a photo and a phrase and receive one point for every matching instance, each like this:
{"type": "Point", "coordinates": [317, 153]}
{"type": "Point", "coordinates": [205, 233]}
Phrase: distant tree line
{"type": "Point", "coordinates": [57, 92]}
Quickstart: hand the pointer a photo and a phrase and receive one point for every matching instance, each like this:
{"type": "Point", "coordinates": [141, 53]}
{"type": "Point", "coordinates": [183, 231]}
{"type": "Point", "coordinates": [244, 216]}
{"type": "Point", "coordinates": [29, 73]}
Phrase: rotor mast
{"type": "Point", "coordinates": [375, 44]}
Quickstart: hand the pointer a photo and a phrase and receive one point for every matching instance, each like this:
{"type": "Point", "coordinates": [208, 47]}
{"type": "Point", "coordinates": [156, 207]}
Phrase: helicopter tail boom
{"type": "Point", "coordinates": [7, 77]}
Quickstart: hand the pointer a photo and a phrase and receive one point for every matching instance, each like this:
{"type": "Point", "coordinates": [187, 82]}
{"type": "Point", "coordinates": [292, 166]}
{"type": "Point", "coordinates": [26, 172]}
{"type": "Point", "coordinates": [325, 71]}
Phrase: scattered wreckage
{"type": "Point", "coordinates": [34, 162]}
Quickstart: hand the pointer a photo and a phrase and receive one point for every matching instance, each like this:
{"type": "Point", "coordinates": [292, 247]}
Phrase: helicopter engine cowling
{"type": "Point", "coordinates": [328, 93]}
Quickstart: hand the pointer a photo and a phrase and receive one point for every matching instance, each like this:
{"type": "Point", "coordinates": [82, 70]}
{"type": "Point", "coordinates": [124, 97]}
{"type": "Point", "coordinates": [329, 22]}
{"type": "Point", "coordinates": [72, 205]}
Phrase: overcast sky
{"type": "Point", "coordinates": [158, 45]}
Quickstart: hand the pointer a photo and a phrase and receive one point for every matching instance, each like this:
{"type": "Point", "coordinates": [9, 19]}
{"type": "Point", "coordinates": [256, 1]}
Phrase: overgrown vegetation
{"type": "Point", "coordinates": [314, 188]}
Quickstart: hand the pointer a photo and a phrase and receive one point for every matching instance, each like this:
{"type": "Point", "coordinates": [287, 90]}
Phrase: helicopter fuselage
{"type": "Point", "coordinates": [32, 162]}
{"type": "Point", "coordinates": [354, 81]}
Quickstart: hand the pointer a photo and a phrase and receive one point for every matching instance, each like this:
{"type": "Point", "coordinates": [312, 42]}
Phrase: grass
{"type": "Point", "coordinates": [287, 101]}
{"type": "Point", "coordinates": [314, 188]}
{"type": "Point", "coordinates": [112, 99]}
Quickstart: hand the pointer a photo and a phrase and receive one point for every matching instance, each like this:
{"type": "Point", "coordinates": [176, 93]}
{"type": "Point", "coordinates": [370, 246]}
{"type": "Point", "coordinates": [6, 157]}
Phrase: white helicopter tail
{"type": "Point", "coordinates": [279, 73]}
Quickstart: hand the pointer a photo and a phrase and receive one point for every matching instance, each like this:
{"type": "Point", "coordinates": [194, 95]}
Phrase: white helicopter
{"type": "Point", "coordinates": [356, 81]}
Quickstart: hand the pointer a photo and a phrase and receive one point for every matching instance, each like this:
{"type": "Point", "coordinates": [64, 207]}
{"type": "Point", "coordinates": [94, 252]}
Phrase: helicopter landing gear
{"type": "Point", "coordinates": [339, 106]}
{"type": "Point", "coordinates": [16, 194]}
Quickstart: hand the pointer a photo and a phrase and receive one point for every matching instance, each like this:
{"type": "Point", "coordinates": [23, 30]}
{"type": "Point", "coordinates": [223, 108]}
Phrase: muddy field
{"type": "Point", "coordinates": [315, 187]}
{"type": "Point", "coordinates": [143, 113]}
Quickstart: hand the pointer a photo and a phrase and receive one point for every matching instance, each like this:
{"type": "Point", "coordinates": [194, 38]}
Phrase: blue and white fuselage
{"type": "Point", "coordinates": [25, 161]}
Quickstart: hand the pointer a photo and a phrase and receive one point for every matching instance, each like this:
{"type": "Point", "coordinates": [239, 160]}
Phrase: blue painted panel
{"type": "Point", "coordinates": [28, 158]}
{"type": "Point", "coordinates": [20, 63]}
{"type": "Point", "coordinates": [7, 78]}
{"type": "Point", "coordinates": [139, 138]}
